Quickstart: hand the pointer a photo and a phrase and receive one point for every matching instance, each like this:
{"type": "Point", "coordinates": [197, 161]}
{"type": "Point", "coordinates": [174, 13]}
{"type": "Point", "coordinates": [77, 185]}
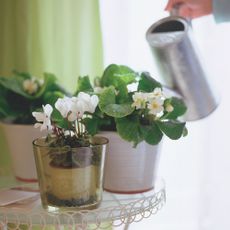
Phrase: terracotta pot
{"type": "Point", "coordinates": [19, 139]}
{"type": "Point", "coordinates": [128, 169]}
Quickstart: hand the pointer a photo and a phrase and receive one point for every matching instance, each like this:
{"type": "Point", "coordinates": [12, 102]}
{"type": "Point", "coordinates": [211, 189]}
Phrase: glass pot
{"type": "Point", "coordinates": [70, 178]}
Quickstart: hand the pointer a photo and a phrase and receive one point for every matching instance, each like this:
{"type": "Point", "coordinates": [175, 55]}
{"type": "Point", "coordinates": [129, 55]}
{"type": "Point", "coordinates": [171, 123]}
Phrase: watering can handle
{"type": "Point", "coordinates": [175, 11]}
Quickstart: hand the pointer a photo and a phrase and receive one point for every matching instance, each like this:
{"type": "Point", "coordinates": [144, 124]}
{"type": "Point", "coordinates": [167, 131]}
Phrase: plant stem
{"type": "Point", "coordinates": [78, 128]}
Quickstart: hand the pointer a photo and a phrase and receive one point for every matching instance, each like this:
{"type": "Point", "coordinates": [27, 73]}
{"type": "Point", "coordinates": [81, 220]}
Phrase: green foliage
{"type": "Point", "coordinates": [178, 105]}
{"type": "Point", "coordinates": [17, 104]}
{"type": "Point", "coordinates": [147, 83]}
{"type": "Point", "coordinates": [116, 111]}
{"type": "Point", "coordinates": [129, 128]}
{"type": "Point", "coordinates": [151, 133]}
{"type": "Point", "coordinates": [119, 76]}
{"type": "Point", "coordinates": [109, 106]}
{"type": "Point", "coordinates": [173, 129]}
{"type": "Point", "coordinates": [115, 74]}
{"type": "Point", "coordinates": [84, 85]}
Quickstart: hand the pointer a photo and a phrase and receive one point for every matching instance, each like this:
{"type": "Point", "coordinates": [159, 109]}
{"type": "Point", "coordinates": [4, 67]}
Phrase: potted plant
{"type": "Point", "coordinates": [21, 94]}
{"type": "Point", "coordinates": [69, 161]}
{"type": "Point", "coordinates": [135, 113]}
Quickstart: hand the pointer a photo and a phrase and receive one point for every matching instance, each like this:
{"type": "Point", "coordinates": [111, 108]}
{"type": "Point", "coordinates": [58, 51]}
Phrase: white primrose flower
{"type": "Point", "coordinates": [44, 117]}
{"type": "Point", "coordinates": [169, 108]}
{"type": "Point", "coordinates": [63, 105]}
{"type": "Point", "coordinates": [155, 106]}
{"type": "Point", "coordinates": [139, 100]}
{"type": "Point", "coordinates": [157, 93]}
{"type": "Point", "coordinates": [90, 102]}
{"type": "Point", "coordinates": [30, 85]}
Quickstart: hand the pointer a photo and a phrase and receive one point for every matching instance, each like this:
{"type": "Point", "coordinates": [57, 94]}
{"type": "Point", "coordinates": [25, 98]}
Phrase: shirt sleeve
{"type": "Point", "coordinates": [221, 10]}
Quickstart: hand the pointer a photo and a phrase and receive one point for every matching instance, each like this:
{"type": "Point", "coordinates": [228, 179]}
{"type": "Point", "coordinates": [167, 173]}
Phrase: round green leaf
{"type": "Point", "coordinates": [129, 129]}
{"type": "Point", "coordinates": [116, 110]}
{"type": "Point", "coordinates": [109, 106]}
{"type": "Point", "coordinates": [114, 72]}
{"type": "Point", "coordinates": [152, 134]}
{"type": "Point", "coordinates": [173, 129]}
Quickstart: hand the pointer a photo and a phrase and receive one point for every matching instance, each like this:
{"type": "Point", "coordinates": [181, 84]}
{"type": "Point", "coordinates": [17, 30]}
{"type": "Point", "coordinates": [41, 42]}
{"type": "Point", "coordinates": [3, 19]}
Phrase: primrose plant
{"type": "Point", "coordinates": [64, 122]}
{"type": "Point", "coordinates": [134, 105]}
{"type": "Point", "coordinates": [23, 93]}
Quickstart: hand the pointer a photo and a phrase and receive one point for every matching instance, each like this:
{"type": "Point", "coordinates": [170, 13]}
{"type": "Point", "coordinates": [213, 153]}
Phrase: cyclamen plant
{"type": "Point", "coordinates": [66, 128]}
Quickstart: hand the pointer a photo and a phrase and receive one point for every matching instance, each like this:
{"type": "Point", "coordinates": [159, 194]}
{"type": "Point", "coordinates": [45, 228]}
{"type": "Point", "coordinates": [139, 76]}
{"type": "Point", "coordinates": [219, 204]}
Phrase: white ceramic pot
{"type": "Point", "coordinates": [19, 139]}
{"type": "Point", "coordinates": [128, 169]}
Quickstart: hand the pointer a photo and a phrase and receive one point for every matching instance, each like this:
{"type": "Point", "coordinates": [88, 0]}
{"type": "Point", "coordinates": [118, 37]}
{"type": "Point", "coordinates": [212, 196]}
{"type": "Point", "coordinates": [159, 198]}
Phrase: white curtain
{"type": "Point", "coordinates": [196, 169]}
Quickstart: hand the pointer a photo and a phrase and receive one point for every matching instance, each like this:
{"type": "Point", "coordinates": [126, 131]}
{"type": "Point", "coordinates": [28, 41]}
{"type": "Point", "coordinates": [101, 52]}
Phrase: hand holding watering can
{"type": "Point", "coordinates": [190, 8]}
{"type": "Point", "coordinates": [172, 44]}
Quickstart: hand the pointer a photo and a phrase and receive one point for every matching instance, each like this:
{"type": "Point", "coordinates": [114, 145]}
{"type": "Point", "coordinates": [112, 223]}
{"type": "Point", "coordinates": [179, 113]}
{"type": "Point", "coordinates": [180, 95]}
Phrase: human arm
{"type": "Point", "coordinates": [191, 8]}
{"type": "Point", "coordinates": [198, 8]}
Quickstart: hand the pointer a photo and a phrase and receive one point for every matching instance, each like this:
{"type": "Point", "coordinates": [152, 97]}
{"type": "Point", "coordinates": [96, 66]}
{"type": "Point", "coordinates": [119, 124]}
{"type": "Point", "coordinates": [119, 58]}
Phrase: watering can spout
{"type": "Point", "coordinates": [180, 65]}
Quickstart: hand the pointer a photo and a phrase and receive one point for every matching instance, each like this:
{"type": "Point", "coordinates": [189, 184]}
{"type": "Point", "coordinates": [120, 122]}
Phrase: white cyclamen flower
{"type": "Point", "coordinates": [77, 109]}
{"type": "Point", "coordinates": [44, 117]}
{"type": "Point", "coordinates": [155, 106]}
{"type": "Point", "coordinates": [63, 105]}
{"type": "Point", "coordinates": [139, 100]}
{"type": "Point", "coordinates": [30, 85]}
{"type": "Point", "coordinates": [90, 102]}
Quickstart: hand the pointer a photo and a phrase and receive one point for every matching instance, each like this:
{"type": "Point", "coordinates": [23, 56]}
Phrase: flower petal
{"type": "Point", "coordinates": [48, 109]}
{"type": "Point", "coordinates": [38, 116]}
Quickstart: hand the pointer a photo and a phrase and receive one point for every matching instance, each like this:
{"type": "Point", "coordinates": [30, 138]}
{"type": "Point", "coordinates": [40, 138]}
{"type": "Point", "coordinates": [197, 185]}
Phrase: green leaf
{"type": "Point", "coordinates": [108, 96]}
{"type": "Point", "coordinates": [129, 129]}
{"type": "Point", "coordinates": [84, 85]}
{"type": "Point", "coordinates": [52, 97]}
{"type": "Point", "coordinates": [23, 75]}
{"type": "Point", "coordinates": [109, 106]}
{"type": "Point", "coordinates": [114, 72]}
{"type": "Point", "coordinates": [185, 132]}
{"type": "Point", "coordinates": [49, 81]}
{"type": "Point", "coordinates": [60, 122]}
{"type": "Point", "coordinates": [122, 92]}
{"type": "Point", "coordinates": [92, 125]}
{"type": "Point", "coordinates": [116, 110]}
{"type": "Point", "coordinates": [147, 83]}
{"type": "Point", "coordinates": [152, 134]}
{"type": "Point", "coordinates": [5, 109]}
{"type": "Point", "coordinates": [179, 108]}
{"type": "Point", "coordinates": [173, 129]}
{"type": "Point", "coordinates": [13, 84]}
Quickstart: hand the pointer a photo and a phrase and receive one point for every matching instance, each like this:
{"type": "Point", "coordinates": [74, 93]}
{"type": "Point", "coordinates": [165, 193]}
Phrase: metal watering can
{"type": "Point", "coordinates": [178, 61]}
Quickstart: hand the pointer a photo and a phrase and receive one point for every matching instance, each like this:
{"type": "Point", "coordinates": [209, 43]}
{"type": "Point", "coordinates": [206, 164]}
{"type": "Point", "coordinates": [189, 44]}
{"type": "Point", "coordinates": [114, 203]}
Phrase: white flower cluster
{"type": "Point", "coordinates": [71, 109]}
{"type": "Point", "coordinates": [32, 85]}
{"type": "Point", "coordinates": [153, 101]}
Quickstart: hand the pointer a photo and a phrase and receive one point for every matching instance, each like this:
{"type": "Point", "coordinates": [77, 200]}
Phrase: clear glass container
{"type": "Point", "coordinates": [70, 178]}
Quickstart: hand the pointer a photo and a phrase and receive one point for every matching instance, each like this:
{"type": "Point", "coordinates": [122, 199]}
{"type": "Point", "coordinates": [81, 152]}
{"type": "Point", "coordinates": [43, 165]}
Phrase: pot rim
{"type": "Point", "coordinates": [103, 141]}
